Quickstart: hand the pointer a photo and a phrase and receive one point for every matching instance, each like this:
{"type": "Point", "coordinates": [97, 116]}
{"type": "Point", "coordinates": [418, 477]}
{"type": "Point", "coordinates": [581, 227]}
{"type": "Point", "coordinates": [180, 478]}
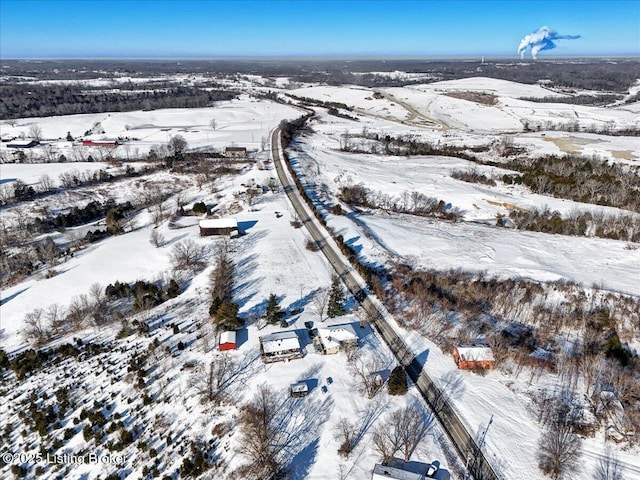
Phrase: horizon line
{"type": "Point", "coordinates": [322, 57]}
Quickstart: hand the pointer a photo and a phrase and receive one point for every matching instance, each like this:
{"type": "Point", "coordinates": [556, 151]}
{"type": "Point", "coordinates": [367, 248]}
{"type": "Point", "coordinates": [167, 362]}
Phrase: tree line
{"type": "Point", "coordinates": [35, 100]}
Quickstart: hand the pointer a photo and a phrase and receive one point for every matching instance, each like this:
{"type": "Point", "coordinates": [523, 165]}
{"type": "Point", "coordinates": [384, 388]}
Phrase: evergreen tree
{"type": "Point", "coordinates": [335, 308]}
{"type": "Point", "coordinates": [397, 381]}
{"type": "Point", "coordinates": [226, 317]}
{"type": "Point", "coordinates": [274, 313]}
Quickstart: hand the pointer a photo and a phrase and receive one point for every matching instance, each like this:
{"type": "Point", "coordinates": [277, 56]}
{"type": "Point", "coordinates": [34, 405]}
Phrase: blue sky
{"type": "Point", "coordinates": [205, 28]}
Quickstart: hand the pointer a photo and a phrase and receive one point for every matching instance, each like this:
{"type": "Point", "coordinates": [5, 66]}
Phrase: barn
{"type": "Point", "coordinates": [280, 346]}
{"type": "Point", "coordinates": [227, 341]}
{"type": "Point", "coordinates": [468, 357]}
{"type": "Point", "coordinates": [218, 226]}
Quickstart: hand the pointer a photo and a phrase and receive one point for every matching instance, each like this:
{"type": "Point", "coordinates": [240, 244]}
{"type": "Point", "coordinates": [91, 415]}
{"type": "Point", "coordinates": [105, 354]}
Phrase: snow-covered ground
{"type": "Point", "coordinates": [272, 258]}
{"type": "Point", "coordinates": [242, 123]}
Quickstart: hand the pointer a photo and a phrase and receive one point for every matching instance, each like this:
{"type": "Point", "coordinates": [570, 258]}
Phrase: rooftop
{"type": "Point", "coordinates": [383, 472]}
{"type": "Point", "coordinates": [219, 223]}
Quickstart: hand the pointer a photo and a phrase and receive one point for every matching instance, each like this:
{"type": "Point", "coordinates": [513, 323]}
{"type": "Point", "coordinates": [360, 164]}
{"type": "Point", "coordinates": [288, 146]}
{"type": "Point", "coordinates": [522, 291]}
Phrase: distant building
{"type": "Point", "coordinates": [227, 341]}
{"type": "Point", "coordinates": [383, 472]}
{"type": "Point", "coordinates": [235, 152]}
{"type": "Point", "coordinates": [100, 143]}
{"type": "Point", "coordinates": [280, 346]}
{"type": "Point", "coordinates": [23, 143]}
{"type": "Point", "coordinates": [468, 357]}
{"type": "Point", "coordinates": [335, 338]}
{"type": "Point", "coordinates": [218, 226]}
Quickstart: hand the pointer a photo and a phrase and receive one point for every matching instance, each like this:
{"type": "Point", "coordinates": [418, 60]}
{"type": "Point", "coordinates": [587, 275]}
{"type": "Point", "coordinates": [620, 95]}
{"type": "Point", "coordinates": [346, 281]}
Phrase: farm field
{"type": "Point", "coordinates": [144, 370]}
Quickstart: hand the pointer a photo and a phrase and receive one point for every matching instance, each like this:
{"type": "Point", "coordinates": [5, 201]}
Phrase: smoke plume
{"type": "Point", "coordinates": [543, 39]}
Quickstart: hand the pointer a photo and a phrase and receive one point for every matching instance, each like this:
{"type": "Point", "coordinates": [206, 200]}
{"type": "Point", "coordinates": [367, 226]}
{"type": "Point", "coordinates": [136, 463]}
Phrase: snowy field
{"type": "Point", "coordinates": [243, 123]}
{"type": "Point", "coordinates": [271, 258]}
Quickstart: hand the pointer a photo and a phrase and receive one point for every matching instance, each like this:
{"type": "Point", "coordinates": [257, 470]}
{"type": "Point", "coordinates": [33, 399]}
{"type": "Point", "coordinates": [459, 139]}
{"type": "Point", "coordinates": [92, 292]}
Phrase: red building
{"type": "Point", "coordinates": [99, 143]}
{"type": "Point", "coordinates": [468, 357]}
{"type": "Point", "coordinates": [227, 341]}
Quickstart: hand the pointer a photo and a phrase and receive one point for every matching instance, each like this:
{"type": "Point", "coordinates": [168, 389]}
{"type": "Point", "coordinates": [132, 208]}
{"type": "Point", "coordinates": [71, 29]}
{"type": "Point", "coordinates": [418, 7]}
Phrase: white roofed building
{"type": "Point", "coordinates": [334, 338]}
{"type": "Point", "coordinates": [227, 341]}
{"type": "Point", "coordinates": [468, 357]}
{"type": "Point", "coordinates": [383, 472]}
{"type": "Point", "coordinates": [280, 346]}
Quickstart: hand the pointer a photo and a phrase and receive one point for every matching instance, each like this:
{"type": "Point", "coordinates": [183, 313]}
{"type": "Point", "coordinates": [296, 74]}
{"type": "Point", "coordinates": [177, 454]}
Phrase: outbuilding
{"type": "Point", "coordinates": [300, 389]}
{"type": "Point", "coordinates": [218, 226]}
{"type": "Point", "coordinates": [227, 341]}
{"type": "Point", "coordinates": [100, 143]}
{"type": "Point", "coordinates": [468, 357]}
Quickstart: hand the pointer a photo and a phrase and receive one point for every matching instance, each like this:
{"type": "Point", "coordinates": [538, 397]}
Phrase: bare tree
{"type": "Point", "coordinates": [212, 382]}
{"type": "Point", "coordinates": [98, 297]}
{"type": "Point", "coordinates": [608, 467]}
{"type": "Point", "coordinates": [320, 301]}
{"type": "Point", "coordinates": [559, 449]}
{"type": "Point", "coordinates": [213, 124]}
{"type": "Point", "coordinates": [345, 431]}
{"type": "Point", "coordinates": [54, 315]}
{"type": "Point", "coordinates": [366, 378]}
{"type": "Point", "coordinates": [187, 255]}
{"type": "Point", "coordinates": [35, 132]}
{"type": "Point", "coordinates": [413, 424]}
{"type": "Point", "coordinates": [386, 441]}
{"type": "Point", "coordinates": [181, 200]}
{"type": "Point", "coordinates": [49, 252]}
{"type": "Point", "coordinates": [262, 440]}
{"type": "Point", "coordinates": [156, 238]}
{"type": "Point", "coordinates": [35, 328]}
{"type": "Point", "coordinates": [45, 183]}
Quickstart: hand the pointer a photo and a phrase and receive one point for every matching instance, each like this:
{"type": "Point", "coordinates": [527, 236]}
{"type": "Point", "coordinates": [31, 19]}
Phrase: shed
{"type": "Point", "coordinates": [235, 152]}
{"type": "Point", "coordinates": [280, 346]}
{"type": "Point", "coordinates": [218, 226]}
{"type": "Point", "coordinates": [468, 357]}
{"type": "Point", "coordinates": [300, 389]}
{"type": "Point", "coordinates": [227, 341]}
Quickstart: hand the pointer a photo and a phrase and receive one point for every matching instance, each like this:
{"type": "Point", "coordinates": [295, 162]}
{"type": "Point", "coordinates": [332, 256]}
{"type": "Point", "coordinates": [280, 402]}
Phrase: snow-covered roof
{"type": "Point", "coordinates": [299, 387]}
{"type": "Point", "coordinates": [475, 353]}
{"type": "Point", "coordinates": [333, 336]}
{"type": "Point", "coordinates": [22, 143]}
{"type": "Point", "coordinates": [219, 223]}
{"type": "Point", "coordinates": [228, 337]}
{"type": "Point", "coordinates": [384, 472]}
{"type": "Point", "coordinates": [280, 341]}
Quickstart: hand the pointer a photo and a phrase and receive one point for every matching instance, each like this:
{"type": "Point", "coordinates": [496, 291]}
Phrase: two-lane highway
{"type": "Point", "coordinates": [467, 447]}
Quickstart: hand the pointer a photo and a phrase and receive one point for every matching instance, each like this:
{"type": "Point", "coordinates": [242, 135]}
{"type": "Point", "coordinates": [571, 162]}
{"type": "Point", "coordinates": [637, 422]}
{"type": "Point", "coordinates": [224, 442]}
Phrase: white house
{"type": "Point", "coordinates": [336, 337]}
{"type": "Point", "coordinates": [280, 346]}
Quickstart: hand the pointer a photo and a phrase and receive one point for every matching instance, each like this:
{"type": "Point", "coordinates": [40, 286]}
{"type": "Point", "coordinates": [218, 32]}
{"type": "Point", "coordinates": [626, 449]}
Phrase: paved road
{"type": "Point", "coordinates": [382, 321]}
